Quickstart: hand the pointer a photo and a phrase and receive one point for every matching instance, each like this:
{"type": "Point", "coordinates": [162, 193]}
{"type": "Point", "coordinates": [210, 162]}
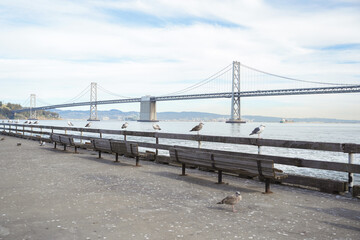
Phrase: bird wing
{"type": "Point", "coordinates": [255, 131]}
{"type": "Point", "coordinates": [231, 200]}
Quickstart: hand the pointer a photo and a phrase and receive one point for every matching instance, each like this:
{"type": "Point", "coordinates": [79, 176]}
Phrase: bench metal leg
{"type": "Point", "coordinates": [220, 177]}
{"type": "Point", "coordinates": [99, 154]}
{"type": "Point", "coordinates": [64, 147]}
{"type": "Point", "coordinates": [183, 169]}
{"type": "Point", "coordinates": [76, 150]}
{"type": "Point", "coordinates": [116, 157]}
{"type": "Point", "coordinates": [267, 186]}
{"type": "Point", "coordinates": [54, 144]}
{"type": "Point", "coordinates": [137, 161]}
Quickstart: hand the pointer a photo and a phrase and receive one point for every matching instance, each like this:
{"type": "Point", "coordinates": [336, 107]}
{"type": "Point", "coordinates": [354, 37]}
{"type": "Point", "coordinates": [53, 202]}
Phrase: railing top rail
{"type": "Point", "coordinates": [322, 146]}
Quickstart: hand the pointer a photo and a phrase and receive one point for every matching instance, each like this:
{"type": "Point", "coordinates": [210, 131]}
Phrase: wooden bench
{"type": "Point", "coordinates": [101, 145]}
{"type": "Point", "coordinates": [227, 162]}
{"type": "Point", "coordinates": [119, 148]}
{"type": "Point", "coordinates": [63, 140]}
{"type": "Point", "coordinates": [133, 151]}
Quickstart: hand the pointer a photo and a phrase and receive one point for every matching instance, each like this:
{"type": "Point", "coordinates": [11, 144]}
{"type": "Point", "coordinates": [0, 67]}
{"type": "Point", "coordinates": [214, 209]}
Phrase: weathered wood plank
{"type": "Point", "coordinates": [299, 162]}
{"type": "Point", "coordinates": [325, 185]}
{"type": "Point", "coordinates": [325, 146]}
{"type": "Point", "coordinates": [118, 147]}
{"type": "Point", "coordinates": [102, 145]}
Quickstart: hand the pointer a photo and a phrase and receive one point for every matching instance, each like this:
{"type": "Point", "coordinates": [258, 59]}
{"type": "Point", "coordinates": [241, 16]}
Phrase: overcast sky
{"type": "Point", "coordinates": [56, 48]}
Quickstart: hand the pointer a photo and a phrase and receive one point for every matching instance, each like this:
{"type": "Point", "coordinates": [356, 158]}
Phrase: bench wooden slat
{"type": "Point", "coordinates": [222, 161]}
{"type": "Point", "coordinates": [101, 145]}
{"type": "Point", "coordinates": [118, 147]}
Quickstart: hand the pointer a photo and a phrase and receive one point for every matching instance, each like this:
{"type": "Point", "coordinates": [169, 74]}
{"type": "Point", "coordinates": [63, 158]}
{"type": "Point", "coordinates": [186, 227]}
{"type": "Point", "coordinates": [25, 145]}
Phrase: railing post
{"type": "Point", "coordinates": [259, 149]}
{"type": "Point", "coordinates": [81, 134]}
{"type": "Point", "coordinates": [157, 142]}
{"type": "Point", "coordinates": [351, 175]}
{"type": "Point", "coordinates": [100, 134]}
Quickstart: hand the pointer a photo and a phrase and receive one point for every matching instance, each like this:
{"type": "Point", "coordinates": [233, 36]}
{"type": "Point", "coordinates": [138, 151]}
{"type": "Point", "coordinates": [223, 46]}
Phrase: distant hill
{"type": "Point", "coordinates": [115, 114]}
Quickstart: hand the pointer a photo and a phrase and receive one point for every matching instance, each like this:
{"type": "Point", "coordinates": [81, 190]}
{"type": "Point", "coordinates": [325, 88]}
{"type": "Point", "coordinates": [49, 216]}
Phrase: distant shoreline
{"type": "Point", "coordinates": [188, 116]}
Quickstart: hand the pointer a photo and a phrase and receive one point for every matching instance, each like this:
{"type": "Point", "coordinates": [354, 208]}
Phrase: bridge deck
{"type": "Point", "coordinates": [260, 93]}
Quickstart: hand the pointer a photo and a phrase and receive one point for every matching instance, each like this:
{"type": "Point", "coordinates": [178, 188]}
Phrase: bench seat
{"type": "Point", "coordinates": [251, 165]}
{"type": "Point", "coordinates": [63, 140]}
{"type": "Point", "coordinates": [101, 145]}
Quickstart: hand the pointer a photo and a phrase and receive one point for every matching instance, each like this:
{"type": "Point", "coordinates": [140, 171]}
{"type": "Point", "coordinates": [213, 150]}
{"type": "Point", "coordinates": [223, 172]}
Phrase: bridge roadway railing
{"type": "Point", "coordinates": [151, 140]}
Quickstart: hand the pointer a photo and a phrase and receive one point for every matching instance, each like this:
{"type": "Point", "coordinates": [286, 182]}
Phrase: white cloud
{"type": "Point", "coordinates": [55, 48]}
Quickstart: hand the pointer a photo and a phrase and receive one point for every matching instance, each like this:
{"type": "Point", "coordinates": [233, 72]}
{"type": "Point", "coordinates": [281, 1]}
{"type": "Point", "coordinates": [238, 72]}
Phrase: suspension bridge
{"type": "Point", "coordinates": [234, 82]}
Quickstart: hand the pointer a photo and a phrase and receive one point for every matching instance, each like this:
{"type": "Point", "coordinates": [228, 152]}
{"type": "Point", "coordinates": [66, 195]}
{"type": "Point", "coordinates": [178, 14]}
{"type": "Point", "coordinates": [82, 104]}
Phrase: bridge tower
{"type": "Point", "coordinates": [235, 98]}
{"type": "Point", "coordinates": [93, 102]}
{"type": "Point", "coordinates": [32, 105]}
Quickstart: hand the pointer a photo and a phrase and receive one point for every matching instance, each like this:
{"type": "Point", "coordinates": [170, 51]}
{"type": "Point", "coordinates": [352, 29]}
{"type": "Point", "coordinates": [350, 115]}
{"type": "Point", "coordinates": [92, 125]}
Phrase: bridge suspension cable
{"type": "Point", "coordinates": [293, 79]}
{"type": "Point", "coordinates": [109, 92]}
{"type": "Point", "coordinates": [42, 101]}
{"type": "Point", "coordinates": [26, 102]}
{"type": "Point", "coordinates": [81, 94]}
{"type": "Point", "coordinates": [203, 82]}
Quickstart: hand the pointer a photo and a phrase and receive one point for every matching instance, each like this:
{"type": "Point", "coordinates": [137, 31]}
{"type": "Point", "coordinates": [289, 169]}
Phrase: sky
{"type": "Point", "coordinates": [56, 48]}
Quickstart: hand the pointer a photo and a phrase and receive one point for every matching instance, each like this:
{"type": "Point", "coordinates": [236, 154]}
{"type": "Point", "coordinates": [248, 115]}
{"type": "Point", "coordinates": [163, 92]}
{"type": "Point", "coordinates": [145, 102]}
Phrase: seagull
{"type": "Point", "coordinates": [42, 143]}
{"type": "Point", "coordinates": [17, 121]}
{"type": "Point", "coordinates": [258, 130]}
{"type": "Point", "coordinates": [156, 127]}
{"type": "Point", "coordinates": [26, 121]}
{"type": "Point", "coordinates": [2, 139]}
{"type": "Point", "coordinates": [125, 125]}
{"type": "Point", "coordinates": [18, 144]}
{"type": "Point", "coordinates": [29, 122]}
{"type": "Point", "coordinates": [231, 200]}
{"type": "Point", "coordinates": [197, 128]}
{"type": "Point", "coordinates": [70, 123]}
{"type": "Point", "coordinates": [88, 124]}
{"type": "Point", "coordinates": [36, 122]}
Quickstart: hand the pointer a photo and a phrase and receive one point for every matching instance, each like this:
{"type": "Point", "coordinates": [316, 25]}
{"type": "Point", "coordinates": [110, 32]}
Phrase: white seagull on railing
{"type": "Point", "coordinates": [258, 130]}
{"type": "Point", "coordinates": [156, 127]}
{"type": "Point", "coordinates": [70, 123]}
{"type": "Point", "coordinates": [125, 125]}
{"type": "Point", "coordinates": [197, 128]}
{"type": "Point", "coordinates": [88, 124]}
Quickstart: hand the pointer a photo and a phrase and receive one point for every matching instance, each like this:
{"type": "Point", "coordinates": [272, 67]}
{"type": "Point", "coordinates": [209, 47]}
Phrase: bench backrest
{"type": "Point", "coordinates": [132, 149]}
{"type": "Point", "coordinates": [223, 161]}
{"type": "Point", "coordinates": [55, 137]}
{"type": "Point", "coordinates": [67, 140]}
{"type": "Point", "coordinates": [118, 147]}
{"type": "Point", "coordinates": [101, 145]}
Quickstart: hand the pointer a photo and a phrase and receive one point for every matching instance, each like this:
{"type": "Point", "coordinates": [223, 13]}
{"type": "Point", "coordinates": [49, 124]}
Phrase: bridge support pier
{"type": "Point", "coordinates": [147, 109]}
{"type": "Point", "coordinates": [93, 100]}
{"type": "Point", "coordinates": [235, 98]}
{"type": "Point", "coordinates": [32, 105]}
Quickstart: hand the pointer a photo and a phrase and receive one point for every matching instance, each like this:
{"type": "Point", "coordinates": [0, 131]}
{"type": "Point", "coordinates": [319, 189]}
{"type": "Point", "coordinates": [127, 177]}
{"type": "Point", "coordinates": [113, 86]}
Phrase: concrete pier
{"type": "Point", "coordinates": [47, 193]}
{"type": "Point", "coordinates": [147, 109]}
